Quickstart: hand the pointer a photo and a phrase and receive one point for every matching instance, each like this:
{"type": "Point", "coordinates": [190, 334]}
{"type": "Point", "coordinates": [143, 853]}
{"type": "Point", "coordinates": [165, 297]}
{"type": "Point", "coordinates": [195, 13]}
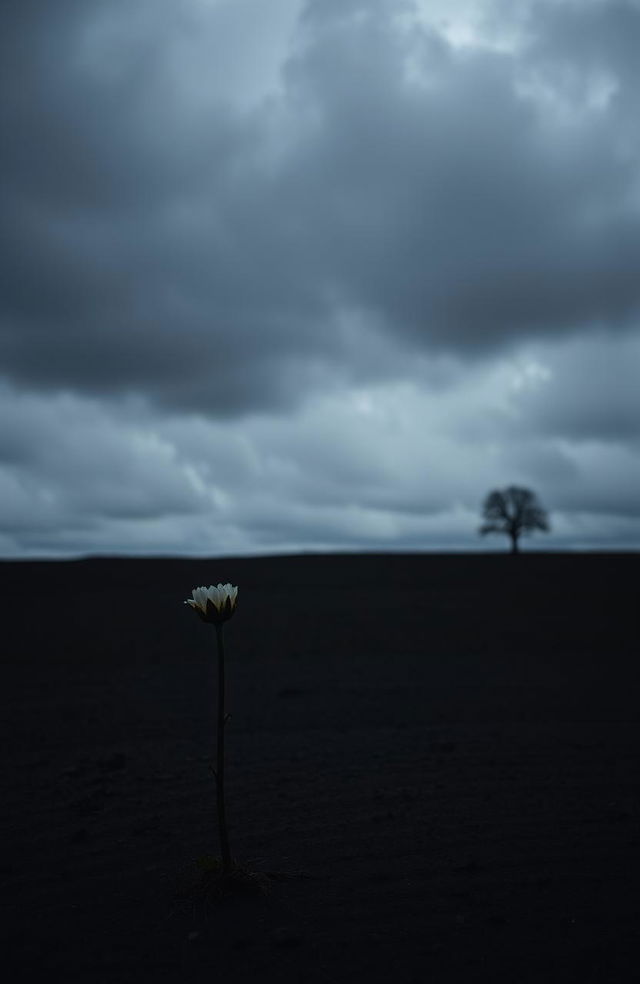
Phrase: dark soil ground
{"type": "Point", "coordinates": [442, 753]}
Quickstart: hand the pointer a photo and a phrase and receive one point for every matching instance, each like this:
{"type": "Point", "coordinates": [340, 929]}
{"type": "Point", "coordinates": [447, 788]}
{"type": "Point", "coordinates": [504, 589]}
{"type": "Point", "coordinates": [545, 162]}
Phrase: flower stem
{"type": "Point", "coordinates": [222, 820]}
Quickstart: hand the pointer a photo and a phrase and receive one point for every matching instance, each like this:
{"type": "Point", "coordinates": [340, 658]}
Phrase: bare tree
{"type": "Point", "coordinates": [513, 511]}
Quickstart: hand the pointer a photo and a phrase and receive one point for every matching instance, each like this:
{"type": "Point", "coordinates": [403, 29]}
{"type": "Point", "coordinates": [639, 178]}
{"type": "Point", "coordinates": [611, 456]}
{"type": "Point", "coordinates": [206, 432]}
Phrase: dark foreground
{"type": "Point", "coordinates": [443, 753]}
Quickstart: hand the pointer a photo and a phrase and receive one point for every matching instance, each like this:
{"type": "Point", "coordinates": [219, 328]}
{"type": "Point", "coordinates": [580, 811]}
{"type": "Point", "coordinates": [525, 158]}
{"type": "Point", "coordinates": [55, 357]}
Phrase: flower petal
{"type": "Point", "coordinates": [200, 595]}
{"type": "Point", "coordinates": [212, 595]}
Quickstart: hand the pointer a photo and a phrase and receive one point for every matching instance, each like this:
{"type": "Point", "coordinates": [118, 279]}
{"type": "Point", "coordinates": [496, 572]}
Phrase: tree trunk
{"type": "Point", "coordinates": [514, 544]}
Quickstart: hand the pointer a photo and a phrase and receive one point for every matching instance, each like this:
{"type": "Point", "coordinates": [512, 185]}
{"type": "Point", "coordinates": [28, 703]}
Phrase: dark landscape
{"type": "Point", "coordinates": [437, 756]}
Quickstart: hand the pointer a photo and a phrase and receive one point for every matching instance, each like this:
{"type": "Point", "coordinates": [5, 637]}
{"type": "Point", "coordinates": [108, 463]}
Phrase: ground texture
{"type": "Point", "coordinates": [438, 755]}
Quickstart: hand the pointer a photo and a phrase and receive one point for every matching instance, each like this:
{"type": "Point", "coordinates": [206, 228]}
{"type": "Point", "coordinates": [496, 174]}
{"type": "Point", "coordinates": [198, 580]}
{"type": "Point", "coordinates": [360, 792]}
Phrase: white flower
{"type": "Point", "coordinates": [216, 604]}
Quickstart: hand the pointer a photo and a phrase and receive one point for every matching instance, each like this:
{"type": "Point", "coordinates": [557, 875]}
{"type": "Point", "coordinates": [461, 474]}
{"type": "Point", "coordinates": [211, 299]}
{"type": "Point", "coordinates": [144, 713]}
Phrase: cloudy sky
{"type": "Point", "coordinates": [285, 275]}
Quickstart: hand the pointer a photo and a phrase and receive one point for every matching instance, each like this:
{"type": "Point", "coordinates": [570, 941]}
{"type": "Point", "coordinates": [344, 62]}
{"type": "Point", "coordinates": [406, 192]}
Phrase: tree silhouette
{"type": "Point", "coordinates": [513, 511]}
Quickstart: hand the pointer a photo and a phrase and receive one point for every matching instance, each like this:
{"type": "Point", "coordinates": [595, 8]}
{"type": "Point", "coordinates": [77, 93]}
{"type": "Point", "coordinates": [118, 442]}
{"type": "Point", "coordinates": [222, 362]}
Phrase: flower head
{"type": "Point", "coordinates": [216, 604]}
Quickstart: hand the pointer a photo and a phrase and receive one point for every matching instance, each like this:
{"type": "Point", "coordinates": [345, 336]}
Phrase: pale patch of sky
{"type": "Point", "coordinates": [469, 24]}
{"type": "Point", "coordinates": [530, 376]}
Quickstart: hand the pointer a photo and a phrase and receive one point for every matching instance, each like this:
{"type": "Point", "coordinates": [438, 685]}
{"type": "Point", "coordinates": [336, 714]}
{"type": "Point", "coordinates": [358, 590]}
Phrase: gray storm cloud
{"type": "Point", "coordinates": [451, 202]}
{"type": "Point", "coordinates": [278, 228]}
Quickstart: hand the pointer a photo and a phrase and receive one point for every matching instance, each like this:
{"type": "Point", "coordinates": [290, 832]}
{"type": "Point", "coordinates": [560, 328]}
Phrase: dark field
{"type": "Point", "coordinates": [443, 752]}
